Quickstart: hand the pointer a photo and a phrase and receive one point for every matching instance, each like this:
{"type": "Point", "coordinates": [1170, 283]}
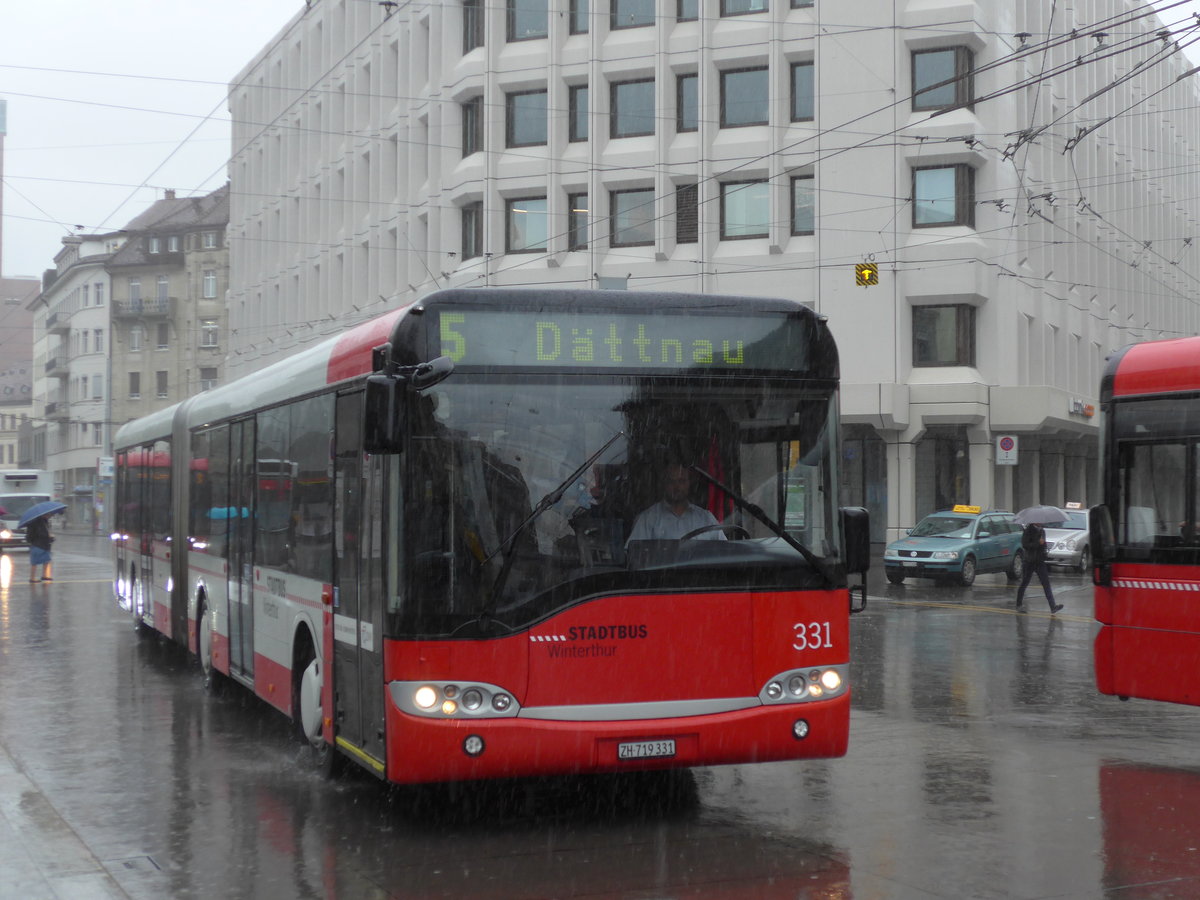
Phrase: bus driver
{"type": "Point", "coordinates": [675, 515]}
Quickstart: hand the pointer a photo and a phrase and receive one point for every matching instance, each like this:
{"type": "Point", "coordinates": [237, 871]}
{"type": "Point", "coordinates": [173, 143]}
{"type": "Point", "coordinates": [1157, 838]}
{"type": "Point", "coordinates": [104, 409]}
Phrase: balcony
{"type": "Point", "coordinates": [58, 323]}
{"type": "Point", "coordinates": [57, 411]}
{"type": "Point", "coordinates": [56, 366]}
{"type": "Point", "coordinates": [144, 308]}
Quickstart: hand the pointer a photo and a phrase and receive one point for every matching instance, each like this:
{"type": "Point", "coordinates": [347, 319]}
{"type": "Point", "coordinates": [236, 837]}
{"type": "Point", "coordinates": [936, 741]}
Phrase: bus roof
{"type": "Point", "coordinates": [1153, 367]}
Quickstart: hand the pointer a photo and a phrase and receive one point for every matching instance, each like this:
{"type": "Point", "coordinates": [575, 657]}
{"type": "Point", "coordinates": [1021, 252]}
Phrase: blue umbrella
{"type": "Point", "coordinates": [45, 508]}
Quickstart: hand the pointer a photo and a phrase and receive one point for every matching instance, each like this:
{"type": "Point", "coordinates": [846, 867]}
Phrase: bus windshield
{"type": "Point", "coordinates": [523, 525]}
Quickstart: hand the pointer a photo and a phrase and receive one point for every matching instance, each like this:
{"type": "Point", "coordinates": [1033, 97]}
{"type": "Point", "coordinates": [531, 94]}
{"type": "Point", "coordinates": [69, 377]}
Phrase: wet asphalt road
{"type": "Point", "coordinates": [982, 763]}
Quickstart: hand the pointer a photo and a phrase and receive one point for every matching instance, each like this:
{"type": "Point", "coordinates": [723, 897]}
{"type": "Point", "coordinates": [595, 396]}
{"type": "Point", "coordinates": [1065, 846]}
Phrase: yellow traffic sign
{"type": "Point", "coordinates": [866, 274]}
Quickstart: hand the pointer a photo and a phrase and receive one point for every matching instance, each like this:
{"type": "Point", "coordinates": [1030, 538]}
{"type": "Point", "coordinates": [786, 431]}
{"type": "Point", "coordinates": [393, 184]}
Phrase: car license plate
{"type": "Point", "coordinates": [645, 749]}
{"type": "Point", "coordinates": [910, 564]}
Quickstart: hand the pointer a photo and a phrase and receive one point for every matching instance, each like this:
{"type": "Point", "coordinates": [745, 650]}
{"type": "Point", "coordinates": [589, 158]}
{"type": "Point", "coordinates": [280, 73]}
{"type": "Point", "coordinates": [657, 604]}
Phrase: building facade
{"type": "Point", "coordinates": [126, 323]}
{"type": "Point", "coordinates": [984, 198]}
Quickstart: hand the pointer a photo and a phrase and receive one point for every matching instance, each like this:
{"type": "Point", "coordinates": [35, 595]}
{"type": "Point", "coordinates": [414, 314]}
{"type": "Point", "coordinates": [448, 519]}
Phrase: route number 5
{"type": "Point", "coordinates": [811, 636]}
{"type": "Point", "coordinates": [454, 345]}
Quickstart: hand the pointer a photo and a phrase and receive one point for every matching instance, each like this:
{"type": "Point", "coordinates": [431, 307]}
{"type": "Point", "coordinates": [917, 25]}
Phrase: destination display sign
{"type": "Point", "coordinates": [621, 340]}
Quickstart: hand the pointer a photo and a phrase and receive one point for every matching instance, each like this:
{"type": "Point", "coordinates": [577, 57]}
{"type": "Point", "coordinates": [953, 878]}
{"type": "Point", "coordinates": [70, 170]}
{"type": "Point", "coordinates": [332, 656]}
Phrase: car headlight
{"type": "Point", "coordinates": [944, 554]}
{"type": "Point", "coordinates": [1070, 543]}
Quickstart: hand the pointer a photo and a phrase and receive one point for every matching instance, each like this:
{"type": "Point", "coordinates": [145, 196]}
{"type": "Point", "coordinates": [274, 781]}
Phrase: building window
{"type": "Point", "coordinates": [154, 245]}
{"type": "Point", "coordinates": [162, 331]}
{"type": "Point", "coordinates": [83, 387]}
{"type": "Point", "coordinates": [97, 434]}
{"type": "Point", "coordinates": [160, 385]}
{"type": "Point", "coordinates": [944, 195]}
{"type": "Point", "coordinates": [802, 92]}
{"type": "Point", "coordinates": [472, 230]}
{"type": "Point", "coordinates": [687, 10]}
{"type": "Point", "coordinates": [744, 98]}
{"type": "Point", "coordinates": [577, 221]}
{"type": "Point", "coordinates": [173, 244]}
{"type": "Point", "coordinates": [208, 240]}
{"type": "Point", "coordinates": [161, 287]}
{"type": "Point", "coordinates": [98, 293]}
{"type": "Point", "coordinates": [801, 4]}
{"type": "Point", "coordinates": [98, 336]}
{"type": "Point", "coordinates": [632, 108]}
{"type": "Point", "coordinates": [208, 378]}
{"type": "Point", "coordinates": [742, 7]}
{"type": "Point", "coordinates": [208, 284]}
{"type": "Point", "coordinates": [687, 208]}
{"type": "Point", "coordinates": [135, 290]}
{"type": "Point", "coordinates": [83, 342]}
{"type": "Point", "coordinates": [632, 218]}
{"type": "Point", "coordinates": [803, 209]}
{"type": "Point", "coordinates": [472, 25]}
{"type": "Point", "coordinates": [943, 78]}
{"type": "Point", "coordinates": [579, 17]}
{"type": "Point", "coordinates": [472, 126]}
{"type": "Point", "coordinates": [526, 119]}
{"type": "Point", "coordinates": [687, 103]}
{"type": "Point", "coordinates": [135, 385]}
{"type": "Point", "coordinates": [577, 98]}
{"type": "Point", "coordinates": [525, 225]}
{"type": "Point", "coordinates": [526, 19]}
{"type": "Point", "coordinates": [632, 13]}
{"type": "Point", "coordinates": [210, 335]}
{"type": "Point", "coordinates": [745, 209]}
{"type": "Point", "coordinates": [98, 387]}
{"type": "Point", "coordinates": [83, 295]}
{"type": "Point", "coordinates": [137, 336]}
{"type": "Point", "coordinates": [943, 335]}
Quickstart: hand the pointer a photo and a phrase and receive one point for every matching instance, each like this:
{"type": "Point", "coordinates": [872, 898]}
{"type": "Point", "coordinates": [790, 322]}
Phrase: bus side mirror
{"type": "Point", "coordinates": [383, 417]}
{"type": "Point", "coordinates": [856, 535]}
{"type": "Point", "coordinates": [1102, 542]}
{"type": "Point", "coordinates": [430, 373]}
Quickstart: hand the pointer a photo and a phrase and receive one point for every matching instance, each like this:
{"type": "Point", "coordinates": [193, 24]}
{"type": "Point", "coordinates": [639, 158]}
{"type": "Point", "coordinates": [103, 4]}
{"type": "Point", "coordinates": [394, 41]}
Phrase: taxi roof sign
{"type": "Point", "coordinates": [960, 508]}
{"type": "Point", "coordinates": [1074, 504]}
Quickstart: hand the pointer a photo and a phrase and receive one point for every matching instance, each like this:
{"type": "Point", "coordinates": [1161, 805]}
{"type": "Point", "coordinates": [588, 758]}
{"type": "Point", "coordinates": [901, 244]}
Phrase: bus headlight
{"type": "Point", "coordinates": [452, 699]}
{"type": "Point", "coordinates": [804, 685]}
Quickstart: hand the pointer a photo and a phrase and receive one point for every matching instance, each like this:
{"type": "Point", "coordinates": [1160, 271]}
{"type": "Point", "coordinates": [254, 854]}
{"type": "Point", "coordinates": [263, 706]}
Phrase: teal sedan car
{"type": "Point", "coordinates": [957, 545]}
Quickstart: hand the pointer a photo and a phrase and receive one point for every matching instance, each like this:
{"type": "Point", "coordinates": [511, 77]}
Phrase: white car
{"type": "Point", "coordinates": [1069, 544]}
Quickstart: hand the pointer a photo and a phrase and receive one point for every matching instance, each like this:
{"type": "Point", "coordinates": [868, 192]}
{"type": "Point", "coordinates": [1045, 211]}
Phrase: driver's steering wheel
{"type": "Point", "coordinates": [718, 527]}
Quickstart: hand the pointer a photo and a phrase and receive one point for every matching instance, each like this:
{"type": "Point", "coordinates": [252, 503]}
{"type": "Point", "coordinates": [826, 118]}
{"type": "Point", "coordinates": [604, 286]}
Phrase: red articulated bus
{"type": "Point", "coordinates": [1146, 533]}
{"type": "Point", "coordinates": [418, 539]}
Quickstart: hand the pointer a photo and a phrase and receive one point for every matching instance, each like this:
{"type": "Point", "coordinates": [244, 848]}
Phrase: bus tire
{"type": "Point", "coordinates": [214, 681]}
{"type": "Point", "coordinates": [140, 628]}
{"type": "Point", "coordinates": [307, 712]}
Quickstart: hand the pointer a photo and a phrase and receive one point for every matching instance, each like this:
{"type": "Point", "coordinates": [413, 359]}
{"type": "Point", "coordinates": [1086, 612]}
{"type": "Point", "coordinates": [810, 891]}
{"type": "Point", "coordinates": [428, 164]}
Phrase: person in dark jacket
{"type": "Point", "coordinates": [1033, 546]}
{"type": "Point", "coordinates": [37, 534]}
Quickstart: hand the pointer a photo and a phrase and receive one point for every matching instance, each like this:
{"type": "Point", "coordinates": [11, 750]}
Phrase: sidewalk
{"type": "Point", "coordinates": [41, 858]}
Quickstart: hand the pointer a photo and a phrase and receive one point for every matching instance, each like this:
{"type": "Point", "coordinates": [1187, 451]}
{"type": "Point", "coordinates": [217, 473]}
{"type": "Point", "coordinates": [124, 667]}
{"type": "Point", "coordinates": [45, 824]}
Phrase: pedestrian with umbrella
{"type": "Point", "coordinates": [36, 522]}
{"type": "Point", "coordinates": [1033, 545]}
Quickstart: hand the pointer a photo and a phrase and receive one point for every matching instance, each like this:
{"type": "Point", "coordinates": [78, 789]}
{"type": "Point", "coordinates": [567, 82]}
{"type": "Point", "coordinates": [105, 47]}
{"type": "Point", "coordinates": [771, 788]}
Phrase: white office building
{"type": "Point", "coordinates": [1024, 184]}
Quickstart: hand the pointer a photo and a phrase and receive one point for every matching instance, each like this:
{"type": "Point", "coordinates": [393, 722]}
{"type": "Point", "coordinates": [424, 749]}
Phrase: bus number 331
{"type": "Point", "coordinates": [811, 636]}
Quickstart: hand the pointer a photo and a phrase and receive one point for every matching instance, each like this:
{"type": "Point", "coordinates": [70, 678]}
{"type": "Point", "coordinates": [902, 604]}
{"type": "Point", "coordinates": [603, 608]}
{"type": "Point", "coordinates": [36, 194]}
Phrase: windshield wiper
{"type": "Point", "coordinates": [544, 504]}
{"type": "Point", "coordinates": [757, 511]}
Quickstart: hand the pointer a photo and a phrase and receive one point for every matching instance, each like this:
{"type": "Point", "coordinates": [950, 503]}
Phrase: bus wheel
{"type": "Point", "coordinates": [1017, 568]}
{"type": "Point", "coordinates": [214, 681]}
{"type": "Point", "coordinates": [137, 605]}
{"type": "Point", "coordinates": [308, 715]}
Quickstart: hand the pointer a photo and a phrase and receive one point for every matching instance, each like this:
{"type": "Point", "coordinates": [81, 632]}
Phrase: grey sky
{"type": "Point", "coordinates": [79, 145]}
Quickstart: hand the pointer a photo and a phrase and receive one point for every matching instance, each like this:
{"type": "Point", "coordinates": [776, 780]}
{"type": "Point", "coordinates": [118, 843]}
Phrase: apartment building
{"type": "Point", "coordinates": [984, 198]}
{"type": "Point", "coordinates": [126, 323]}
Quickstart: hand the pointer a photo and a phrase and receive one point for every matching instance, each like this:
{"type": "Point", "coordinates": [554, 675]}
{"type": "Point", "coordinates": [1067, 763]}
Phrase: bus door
{"type": "Point", "coordinates": [358, 589]}
{"type": "Point", "coordinates": [241, 547]}
{"type": "Point", "coordinates": [143, 598]}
